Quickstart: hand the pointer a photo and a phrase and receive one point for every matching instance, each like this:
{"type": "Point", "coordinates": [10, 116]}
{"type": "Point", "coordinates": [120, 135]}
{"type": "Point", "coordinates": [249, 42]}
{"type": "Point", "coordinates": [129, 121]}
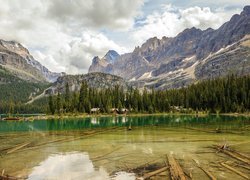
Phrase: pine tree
{"type": "Point", "coordinates": [51, 105]}
{"type": "Point", "coordinates": [58, 103]}
{"type": "Point", "coordinates": [82, 97]}
{"type": "Point", "coordinates": [67, 98]}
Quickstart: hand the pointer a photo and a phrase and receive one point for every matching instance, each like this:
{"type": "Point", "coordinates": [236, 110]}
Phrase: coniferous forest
{"type": "Point", "coordinates": [223, 95]}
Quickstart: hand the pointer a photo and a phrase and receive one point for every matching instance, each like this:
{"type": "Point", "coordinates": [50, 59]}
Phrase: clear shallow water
{"type": "Point", "coordinates": [96, 148]}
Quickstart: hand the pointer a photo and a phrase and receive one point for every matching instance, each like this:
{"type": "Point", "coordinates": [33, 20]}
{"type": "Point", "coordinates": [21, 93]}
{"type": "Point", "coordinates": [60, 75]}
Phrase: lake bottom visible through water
{"type": "Point", "coordinates": [125, 147]}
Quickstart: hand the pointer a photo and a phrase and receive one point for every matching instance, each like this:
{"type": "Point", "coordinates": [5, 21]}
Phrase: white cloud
{"type": "Point", "coordinates": [96, 13]}
{"type": "Point", "coordinates": [49, 61]}
{"type": "Point", "coordinates": [172, 21]}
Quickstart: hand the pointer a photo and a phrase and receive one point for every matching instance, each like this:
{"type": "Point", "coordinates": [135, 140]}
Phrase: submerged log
{"type": "Point", "coordinates": [17, 148]}
{"type": "Point", "coordinates": [240, 154]}
{"type": "Point", "coordinates": [233, 154]}
{"type": "Point", "coordinates": [8, 177]}
{"type": "Point", "coordinates": [108, 153]}
{"type": "Point", "coordinates": [235, 170]}
{"type": "Point", "coordinates": [217, 130]}
{"type": "Point", "coordinates": [210, 175]}
{"type": "Point", "coordinates": [61, 140]}
{"type": "Point", "coordinates": [153, 173]}
{"type": "Point", "coordinates": [246, 167]}
{"type": "Point", "coordinates": [175, 169]}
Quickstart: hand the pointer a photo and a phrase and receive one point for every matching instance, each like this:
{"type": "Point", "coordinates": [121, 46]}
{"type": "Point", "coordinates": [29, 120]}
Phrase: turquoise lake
{"type": "Point", "coordinates": [110, 147]}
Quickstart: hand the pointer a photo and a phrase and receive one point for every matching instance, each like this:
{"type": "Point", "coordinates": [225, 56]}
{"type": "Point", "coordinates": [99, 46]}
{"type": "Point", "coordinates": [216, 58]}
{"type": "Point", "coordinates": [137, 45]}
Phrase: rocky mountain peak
{"type": "Point", "coordinates": [17, 59]}
{"type": "Point", "coordinates": [151, 44]}
{"type": "Point", "coordinates": [111, 56]}
{"type": "Point", "coordinates": [14, 47]}
{"type": "Point", "coordinates": [246, 10]}
{"type": "Point", "coordinates": [189, 33]}
{"type": "Point", "coordinates": [96, 60]}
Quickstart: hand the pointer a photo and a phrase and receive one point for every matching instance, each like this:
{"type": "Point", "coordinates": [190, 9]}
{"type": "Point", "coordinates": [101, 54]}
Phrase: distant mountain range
{"type": "Point", "coordinates": [190, 56]}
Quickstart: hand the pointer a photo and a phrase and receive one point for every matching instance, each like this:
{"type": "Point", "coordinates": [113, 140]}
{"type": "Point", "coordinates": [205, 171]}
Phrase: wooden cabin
{"type": "Point", "coordinates": [114, 110]}
{"type": "Point", "coordinates": [94, 110]}
{"type": "Point", "coordinates": [124, 110]}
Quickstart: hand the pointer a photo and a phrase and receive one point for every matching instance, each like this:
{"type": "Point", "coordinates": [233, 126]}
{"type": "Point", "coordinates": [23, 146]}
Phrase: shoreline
{"type": "Point", "coordinates": [63, 116]}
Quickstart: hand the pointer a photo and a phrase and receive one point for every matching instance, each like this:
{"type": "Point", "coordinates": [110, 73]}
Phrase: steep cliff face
{"type": "Point", "coordinates": [190, 56]}
{"type": "Point", "coordinates": [17, 59]}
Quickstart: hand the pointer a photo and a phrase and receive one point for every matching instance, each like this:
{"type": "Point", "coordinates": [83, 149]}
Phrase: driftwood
{"type": "Point", "coordinates": [153, 173]}
{"type": "Point", "coordinates": [232, 154]}
{"type": "Point", "coordinates": [170, 140]}
{"type": "Point", "coordinates": [246, 167]}
{"type": "Point", "coordinates": [235, 170]}
{"type": "Point", "coordinates": [8, 177]}
{"type": "Point", "coordinates": [210, 175]}
{"type": "Point", "coordinates": [175, 169]}
{"type": "Point", "coordinates": [202, 130]}
{"type": "Point", "coordinates": [214, 131]}
{"type": "Point", "coordinates": [101, 156]}
{"type": "Point", "coordinates": [144, 165]}
{"type": "Point", "coordinates": [3, 177]}
{"type": "Point", "coordinates": [17, 148]}
{"type": "Point", "coordinates": [60, 140]}
{"type": "Point", "coordinates": [240, 154]}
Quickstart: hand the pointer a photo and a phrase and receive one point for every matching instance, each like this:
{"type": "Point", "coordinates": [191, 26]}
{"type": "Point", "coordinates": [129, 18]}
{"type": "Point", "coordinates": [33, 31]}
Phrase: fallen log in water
{"type": "Point", "coordinates": [61, 140]}
{"type": "Point", "coordinates": [3, 177]}
{"type": "Point", "coordinates": [103, 155]}
{"type": "Point", "coordinates": [175, 169]}
{"type": "Point", "coordinates": [214, 131]}
{"type": "Point", "coordinates": [210, 175]}
{"type": "Point", "coordinates": [201, 130]}
{"type": "Point", "coordinates": [153, 173]}
{"type": "Point", "coordinates": [142, 166]}
{"type": "Point", "coordinates": [17, 148]}
{"type": "Point", "coordinates": [8, 177]}
{"type": "Point", "coordinates": [233, 154]}
{"type": "Point", "coordinates": [235, 170]}
{"type": "Point", "coordinates": [246, 167]}
{"type": "Point", "coordinates": [240, 154]}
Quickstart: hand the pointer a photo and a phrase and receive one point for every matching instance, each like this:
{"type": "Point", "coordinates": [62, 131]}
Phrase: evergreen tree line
{"type": "Point", "coordinates": [224, 95]}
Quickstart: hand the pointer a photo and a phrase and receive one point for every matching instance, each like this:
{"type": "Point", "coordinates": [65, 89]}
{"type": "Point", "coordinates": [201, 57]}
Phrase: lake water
{"type": "Point", "coordinates": [117, 147]}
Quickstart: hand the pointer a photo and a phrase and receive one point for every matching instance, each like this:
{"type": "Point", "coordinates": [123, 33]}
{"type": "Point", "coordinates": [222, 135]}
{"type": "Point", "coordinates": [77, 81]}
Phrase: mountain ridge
{"type": "Point", "coordinates": [17, 59]}
{"type": "Point", "coordinates": [177, 62]}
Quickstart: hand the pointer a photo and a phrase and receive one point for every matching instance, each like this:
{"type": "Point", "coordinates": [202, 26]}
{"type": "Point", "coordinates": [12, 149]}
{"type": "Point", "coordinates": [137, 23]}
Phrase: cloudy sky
{"type": "Point", "coordinates": [64, 35]}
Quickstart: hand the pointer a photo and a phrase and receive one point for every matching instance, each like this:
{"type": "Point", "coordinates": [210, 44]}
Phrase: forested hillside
{"type": "Point", "coordinates": [15, 92]}
{"type": "Point", "coordinates": [230, 94]}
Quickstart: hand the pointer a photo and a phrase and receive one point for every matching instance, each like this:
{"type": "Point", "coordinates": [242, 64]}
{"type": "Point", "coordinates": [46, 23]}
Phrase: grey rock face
{"type": "Point", "coordinates": [188, 57]}
{"type": "Point", "coordinates": [104, 64]}
{"type": "Point", "coordinates": [94, 80]}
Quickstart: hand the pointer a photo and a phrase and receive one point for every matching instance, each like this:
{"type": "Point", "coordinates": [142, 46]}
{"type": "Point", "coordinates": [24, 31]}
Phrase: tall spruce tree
{"type": "Point", "coordinates": [51, 105]}
{"type": "Point", "coordinates": [58, 103]}
{"type": "Point", "coordinates": [67, 98]}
